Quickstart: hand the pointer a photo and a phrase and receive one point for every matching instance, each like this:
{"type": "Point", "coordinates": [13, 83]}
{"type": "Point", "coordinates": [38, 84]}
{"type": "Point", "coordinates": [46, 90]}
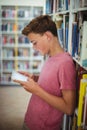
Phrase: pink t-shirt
{"type": "Point", "coordinates": [58, 73]}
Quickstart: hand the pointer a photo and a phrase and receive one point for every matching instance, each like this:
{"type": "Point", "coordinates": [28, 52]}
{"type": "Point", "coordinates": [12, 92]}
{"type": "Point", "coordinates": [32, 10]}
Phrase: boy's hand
{"type": "Point", "coordinates": [30, 85]}
{"type": "Point", "coordinates": [26, 74]}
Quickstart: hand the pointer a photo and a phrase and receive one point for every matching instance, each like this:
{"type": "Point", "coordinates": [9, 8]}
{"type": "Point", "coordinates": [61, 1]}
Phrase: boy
{"type": "Point", "coordinates": [55, 92]}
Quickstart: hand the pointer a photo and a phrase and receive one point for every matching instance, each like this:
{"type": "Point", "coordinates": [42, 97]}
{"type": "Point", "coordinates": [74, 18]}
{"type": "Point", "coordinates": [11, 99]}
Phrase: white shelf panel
{"type": "Point", "coordinates": [11, 32]}
{"type": "Point", "coordinates": [78, 10]}
{"type": "Point", "coordinates": [23, 58]}
{"type": "Point", "coordinates": [19, 19]}
{"type": "Point", "coordinates": [8, 58]}
{"type": "Point", "coordinates": [20, 45]}
{"type": "Point", "coordinates": [62, 12]}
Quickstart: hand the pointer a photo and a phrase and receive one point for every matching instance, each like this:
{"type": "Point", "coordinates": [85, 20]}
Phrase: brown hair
{"type": "Point", "coordinates": [40, 25]}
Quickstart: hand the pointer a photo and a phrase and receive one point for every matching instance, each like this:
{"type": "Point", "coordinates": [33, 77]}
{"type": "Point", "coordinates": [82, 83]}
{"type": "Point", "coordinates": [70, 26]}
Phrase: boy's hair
{"type": "Point", "coordinates": [40, 25]}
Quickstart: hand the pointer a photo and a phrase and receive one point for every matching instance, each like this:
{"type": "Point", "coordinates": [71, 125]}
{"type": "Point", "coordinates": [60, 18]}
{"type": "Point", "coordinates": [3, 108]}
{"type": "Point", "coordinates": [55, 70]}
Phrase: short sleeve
{"type": "Point", "coordinates": [67, 76]}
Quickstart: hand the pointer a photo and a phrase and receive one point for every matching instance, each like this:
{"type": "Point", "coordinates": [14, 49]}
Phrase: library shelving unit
{"type": "Point", "coordinates": [70, 17]}
{"type": "Point", "coordinates": [16, 51]}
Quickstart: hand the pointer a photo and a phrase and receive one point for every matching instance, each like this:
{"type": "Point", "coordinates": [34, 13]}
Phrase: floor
{"type": "Point", "coordinates": [13, 105]}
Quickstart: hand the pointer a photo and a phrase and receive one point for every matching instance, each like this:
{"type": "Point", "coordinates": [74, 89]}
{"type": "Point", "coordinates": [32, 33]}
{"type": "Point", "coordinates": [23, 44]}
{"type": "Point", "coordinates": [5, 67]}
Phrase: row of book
{"type": "Point", "coordinates": [78, 120]}
{"type": "Point", "coordinates": [8, 40]}
{"type": "Point", "coordinates": [79, 4]}
{"type": "Point", "coordinates": [63, 5]}
{"type": "Point", "coordinates": [80, 114]}
{"type": "Point", "coordinates": [8, 66]}
{"type": "Point", "coordinates": [20, 52]}
{"type": "Point", "coordinates": [6, 78]}
{"type": "Point", "coordinates": [21, 13]}
{"type": "Point", "coordinates": [57, 5]}
{"type": "Point", "coordinates": [11, 52]}
{"type": "Point", "coordinates": [79, 38]}
{"type": "Point", "coordinates": [23, 52]}
{"type": "Point", "coordinates": [25, 65]}
{"type": "Point", "coordinates": [37, 11]}
{"type": "Point", "coordinates": [8, 26]}
{"type": "Point", "coordinates": [11, 39]}
{"type": "Point", "coordinates": [21, 65]}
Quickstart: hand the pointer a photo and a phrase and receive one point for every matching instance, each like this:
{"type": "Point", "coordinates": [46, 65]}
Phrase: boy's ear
{"type": "Point", "coordinates": [48, 34]}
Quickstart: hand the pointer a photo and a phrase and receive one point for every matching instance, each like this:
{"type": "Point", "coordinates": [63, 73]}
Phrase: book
{"type": "Point", "coordinates": [65, 31]}
{"type": "Point", "coordinates": [80, 40]}
{"type": "Point", "coordinates": [84, 3]}
{"type": "Point", "coordinates": [84, 76]}
{"type": "Point", "coordinates": [65, 4]}
{"type": "Point", "coordinates": [49, 6]}
{"type": "Point", "coordinates": [65, 122]}
{"type": "Point", "coordinates": [25, 52]}
{"type": "Point", "coordinates": [82, 92]}
{"type": "Point", "coordinates": [62, 5]}
{"type": "Point", "coordinates": [83, 55]}
{"type": "Point", "coordinates": [17, 76]}
{"type": "Point", "coordinates": [85, 111]}
{"type": "Point", "coordinates": [66, 36]}
{"type": "Point", "coordinates": [74, 122]}
{"type": "Point", "coordinates": [74, 39]}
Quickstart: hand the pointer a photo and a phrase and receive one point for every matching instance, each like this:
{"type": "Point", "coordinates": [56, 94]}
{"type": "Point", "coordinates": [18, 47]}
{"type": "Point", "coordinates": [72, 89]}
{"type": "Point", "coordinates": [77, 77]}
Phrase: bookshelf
{"type": "Point", "coordinates": [70, 17]}
{"type": "Point", "coordinates": [16, 51]}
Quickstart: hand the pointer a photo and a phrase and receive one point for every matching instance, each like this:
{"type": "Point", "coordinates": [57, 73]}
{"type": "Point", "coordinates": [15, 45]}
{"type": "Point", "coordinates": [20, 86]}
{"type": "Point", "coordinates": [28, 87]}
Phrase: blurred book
{"type": "Point", "coordinates": [83, 56]}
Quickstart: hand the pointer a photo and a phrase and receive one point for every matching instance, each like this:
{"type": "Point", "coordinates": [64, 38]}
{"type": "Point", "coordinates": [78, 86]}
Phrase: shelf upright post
{"type": "Point", "coordinates": [16, 39]}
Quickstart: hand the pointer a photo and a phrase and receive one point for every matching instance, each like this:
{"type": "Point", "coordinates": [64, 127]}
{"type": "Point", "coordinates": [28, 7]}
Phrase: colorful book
{"type": "Point", "coordinates": [82, 92]}
{"type": "Point", "coordinates": [49, 6]}
{"type": "Point", "coordinates": [85, 112]}
{"type": "Point", "coordinates": [74, 39]}
{"type": "Point", "coordinates": [65, 31]}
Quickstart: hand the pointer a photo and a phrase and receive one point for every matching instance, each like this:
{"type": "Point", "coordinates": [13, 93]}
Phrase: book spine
{"type": "Point", "coordinates": [85, 111]}
{"type": "Point", "coordinates": [74, 38]}
{"type": "Point", "coordinates": [84, 43]}
{"type": "Point", "coordinates": [82, 91]}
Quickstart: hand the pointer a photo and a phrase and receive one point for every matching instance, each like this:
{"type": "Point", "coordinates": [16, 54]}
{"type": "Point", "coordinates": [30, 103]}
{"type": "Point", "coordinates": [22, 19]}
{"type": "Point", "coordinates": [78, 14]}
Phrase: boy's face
{"type": "Point", "coordinates": [40, 42]}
